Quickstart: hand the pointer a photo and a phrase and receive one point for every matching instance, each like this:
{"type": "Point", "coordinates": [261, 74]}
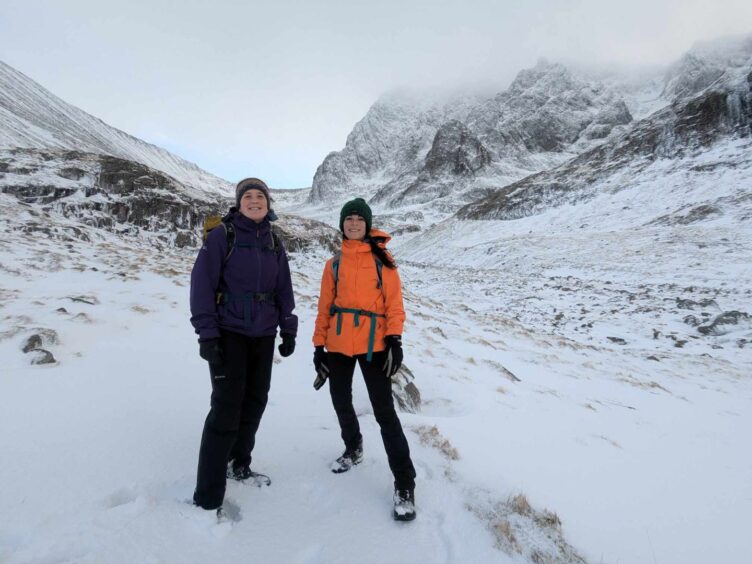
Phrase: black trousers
{"type": "Point", "coordinates": [240, 390]}
{"type": "Point", "coordinates": [379, 388]}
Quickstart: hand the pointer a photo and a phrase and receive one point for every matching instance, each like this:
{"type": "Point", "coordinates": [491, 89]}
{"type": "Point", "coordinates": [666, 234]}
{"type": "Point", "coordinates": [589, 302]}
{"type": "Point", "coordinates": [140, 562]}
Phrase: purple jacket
{"type": "Point", "coordinates": [255, 284]}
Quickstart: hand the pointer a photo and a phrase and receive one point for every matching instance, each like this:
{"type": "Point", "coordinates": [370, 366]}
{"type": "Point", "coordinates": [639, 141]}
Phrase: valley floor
{"type": "Point", "coordinates": [534, 440]}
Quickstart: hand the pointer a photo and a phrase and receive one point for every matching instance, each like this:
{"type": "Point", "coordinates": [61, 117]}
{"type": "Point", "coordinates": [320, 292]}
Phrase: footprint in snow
{"type": "Point", "coordinates": [120, 497]}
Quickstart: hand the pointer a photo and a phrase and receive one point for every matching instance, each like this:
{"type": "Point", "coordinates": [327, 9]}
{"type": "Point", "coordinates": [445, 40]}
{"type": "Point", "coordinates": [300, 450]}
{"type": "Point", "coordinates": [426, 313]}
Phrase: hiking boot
{"type": "Point", "coordinates": [239, 473]}
{"type": "Point", "coordinates": [404, 505]}
{"type": "Point", "coordinates": [244, 473]}
{"type": "Point", "coordinates": [348, 459]}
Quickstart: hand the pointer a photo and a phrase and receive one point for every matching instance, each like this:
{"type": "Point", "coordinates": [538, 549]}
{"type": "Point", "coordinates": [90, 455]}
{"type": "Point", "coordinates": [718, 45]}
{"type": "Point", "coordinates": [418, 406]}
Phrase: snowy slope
{"type": "Point", "coordinates": [31, 117]}
{"type": "Point", "coordinates": [104, 440]}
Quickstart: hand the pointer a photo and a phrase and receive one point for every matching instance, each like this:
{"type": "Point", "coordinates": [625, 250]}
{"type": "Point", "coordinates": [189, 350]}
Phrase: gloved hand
{"type": "Point", "coordinates": [211, 350]}
{"type": "Point", "coordinates": [394, 354]}
{"type": "Point", "coordinates": [322, 368]}
{"type": "Point", "coordinates": [287, 346]}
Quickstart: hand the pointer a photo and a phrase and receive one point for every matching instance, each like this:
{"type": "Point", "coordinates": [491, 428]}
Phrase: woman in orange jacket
{"type": "Point", "coordinates": [360, 319]}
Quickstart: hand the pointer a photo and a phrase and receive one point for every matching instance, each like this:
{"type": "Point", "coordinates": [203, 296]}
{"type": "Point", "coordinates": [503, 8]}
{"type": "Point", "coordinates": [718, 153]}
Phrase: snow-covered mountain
{"type": "Point", "coordinates": [420, 162]}
{"type": "Point", "coordinates": [390, 142]}
{"type": "Point", "coordinates": [31, 117]}
{"type": "Point", "coordinates": [407, 151]}
{"type": "Point", "coordinates": [76, 166]}
{"type": "Point", "coordinates": [709, 122]}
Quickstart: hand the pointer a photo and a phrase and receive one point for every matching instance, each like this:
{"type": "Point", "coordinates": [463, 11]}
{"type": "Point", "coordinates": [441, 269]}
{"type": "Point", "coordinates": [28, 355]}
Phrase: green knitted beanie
{"type": "Point", "coordinates": [358, 206]}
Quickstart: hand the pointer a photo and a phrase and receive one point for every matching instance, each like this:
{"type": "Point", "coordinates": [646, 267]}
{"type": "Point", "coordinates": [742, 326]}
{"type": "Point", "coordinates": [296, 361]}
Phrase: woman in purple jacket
{"type": "Point", "coordinates": [241, 292]}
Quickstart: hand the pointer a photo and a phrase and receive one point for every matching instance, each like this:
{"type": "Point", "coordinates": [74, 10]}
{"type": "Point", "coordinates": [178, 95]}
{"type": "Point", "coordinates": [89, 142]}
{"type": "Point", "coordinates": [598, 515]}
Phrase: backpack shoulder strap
{"type": "Point", "coordinates": [379, 266]}
{"type": "Point", "coordinates": [276, 243]}
{"type": "Point", "coordinates": [335, 269]}
{"type": "Point", "coordinates": [230, 236]}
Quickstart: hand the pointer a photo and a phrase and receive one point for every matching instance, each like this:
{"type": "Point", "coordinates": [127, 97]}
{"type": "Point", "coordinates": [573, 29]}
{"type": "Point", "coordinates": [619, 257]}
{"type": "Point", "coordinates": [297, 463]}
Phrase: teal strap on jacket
{"type": "Point", "coordinates": [357, 313]}
{"type": "Point", "coordinates": [247, 298]}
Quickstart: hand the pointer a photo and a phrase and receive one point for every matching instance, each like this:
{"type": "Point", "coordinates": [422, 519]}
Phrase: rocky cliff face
{"type": "Point", "coordinates": [105, 192]}
{"type": "Point", "coordinates": [688, 126]}
{"type": "Point", "coordinates": [705, 64]}
{"type": "Point", "coordinates": [547, 109]}
{"type": "Point", "coordinates": [390, 142]}
{"type": "Point", "coordinates": [407, 152]}
{"type": "Point", "coordinates": [126, 198]}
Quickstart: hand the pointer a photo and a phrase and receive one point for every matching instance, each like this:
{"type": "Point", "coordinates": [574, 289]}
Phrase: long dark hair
{"type": "Point", "coordinates": [381, 252]}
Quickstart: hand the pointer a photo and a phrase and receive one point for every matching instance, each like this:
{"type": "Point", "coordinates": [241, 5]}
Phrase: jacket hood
{"type": "Point", "coordinates": [242, 222]}
{"type": "Point", "coordinates": [352, 245]}
{"type": "Point", "coordinates": [382, 237]}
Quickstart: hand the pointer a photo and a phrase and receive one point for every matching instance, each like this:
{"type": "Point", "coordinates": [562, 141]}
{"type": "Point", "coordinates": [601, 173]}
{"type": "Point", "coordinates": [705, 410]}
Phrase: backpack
{"type": "Point", "coordinates": [214, 221]}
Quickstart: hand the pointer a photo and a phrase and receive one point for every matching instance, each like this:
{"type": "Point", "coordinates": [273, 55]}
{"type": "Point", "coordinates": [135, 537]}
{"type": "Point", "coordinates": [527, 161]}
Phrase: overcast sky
{"type": "Point", "coordinates": [269, 88]}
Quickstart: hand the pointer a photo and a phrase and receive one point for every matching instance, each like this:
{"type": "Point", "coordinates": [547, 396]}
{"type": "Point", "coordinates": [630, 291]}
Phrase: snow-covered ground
{"type": "Point", "coordinates": [530, 426]}
{"type": "Point", "coordinates": [99, 448]}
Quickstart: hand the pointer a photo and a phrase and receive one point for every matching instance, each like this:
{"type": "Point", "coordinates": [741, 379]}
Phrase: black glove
{"type": "Point", "coordinates": [322, 368]}
{"type": "Point", "coordinates": [287, 346]}
{"type": "Point", "coordinates": [394, 354]}
{"type": "Point", "coordinates": [211, 350]}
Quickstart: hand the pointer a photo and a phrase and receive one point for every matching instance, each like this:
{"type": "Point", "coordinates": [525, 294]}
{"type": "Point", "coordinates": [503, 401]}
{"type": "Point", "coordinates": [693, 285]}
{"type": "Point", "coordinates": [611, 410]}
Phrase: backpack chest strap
{"type": "Point", "coordinates": [357, 313]}
{"type": "Point", "coordinates": [247, 298]}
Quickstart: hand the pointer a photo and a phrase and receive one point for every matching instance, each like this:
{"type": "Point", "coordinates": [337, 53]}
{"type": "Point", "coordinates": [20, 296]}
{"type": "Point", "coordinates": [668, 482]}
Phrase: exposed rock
{"type": "Point", "coordinates": [456, 156]}
{"type": "Point", "coordinates": [404, 390]}
{"type": "Point", "coordinates": [691, 304]}
{"type": "Point", "coordinates": [457, 151]}
{"type": "Point", "coordinates": [71, 173]}
{"type": "Point", "coordinates": [42, 356]}
{"type": "Point", "coordinates": [724, 323]}
{"type": "Point", "coordinates": [89, 300]}
{"type": "Point", "coordinates": [692, 320]}
{"type": "Point", "coordinates": [300, 234]}
{"type": "Point", "coordinates": [685, 216]}
{"type": "Point", "coordinates": [32, 343]}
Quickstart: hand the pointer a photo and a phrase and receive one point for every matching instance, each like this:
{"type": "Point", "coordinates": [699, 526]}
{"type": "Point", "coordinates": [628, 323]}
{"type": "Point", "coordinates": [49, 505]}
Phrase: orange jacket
{"type": "Point", "coordinates": [357, 288]}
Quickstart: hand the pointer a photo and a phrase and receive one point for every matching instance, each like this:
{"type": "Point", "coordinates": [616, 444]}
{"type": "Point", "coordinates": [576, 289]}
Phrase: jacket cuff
{"type": "Point", "coordinates": [208, 334]}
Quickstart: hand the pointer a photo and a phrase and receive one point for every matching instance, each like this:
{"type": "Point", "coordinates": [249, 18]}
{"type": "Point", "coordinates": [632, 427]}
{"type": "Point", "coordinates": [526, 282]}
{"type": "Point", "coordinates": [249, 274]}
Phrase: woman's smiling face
{"type": "Point", "coordinates": [355, 227]}
{"type": "Point", "coordinates": [253, 205]}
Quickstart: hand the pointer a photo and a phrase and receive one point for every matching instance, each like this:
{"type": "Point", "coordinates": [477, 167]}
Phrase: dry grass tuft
{"type": "Point", "coordinates": [519, 528]}
{"type": "Point", "coordinates": [505, 534]}
{"type": "Point", "coordinates": [520, 505]}
{"type": "Point", "coordinates": [432, 437]}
